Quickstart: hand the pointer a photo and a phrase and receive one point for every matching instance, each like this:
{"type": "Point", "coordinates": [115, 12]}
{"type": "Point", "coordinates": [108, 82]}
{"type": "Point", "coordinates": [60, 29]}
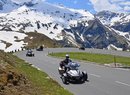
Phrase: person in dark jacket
{"type": "Point", "coordinates": [65, 62]}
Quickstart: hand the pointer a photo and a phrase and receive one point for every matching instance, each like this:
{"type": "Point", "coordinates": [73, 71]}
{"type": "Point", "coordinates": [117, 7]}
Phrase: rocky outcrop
{"type": "Point", "coordinates": [96, 35]}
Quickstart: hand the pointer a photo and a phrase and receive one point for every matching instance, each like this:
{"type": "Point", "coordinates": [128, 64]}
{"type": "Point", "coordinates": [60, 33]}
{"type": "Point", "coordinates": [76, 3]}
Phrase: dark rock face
{"type": "Point", "coordinates": [96, 35]}
{"type": "Point", "coordinates": [29, 4]}
{"type": "Point", "coordinates": [106, 14]}
{"type": "Point", "coordinates": [122, 27]}
{"type": "Point", "coordinates": [1, 6]}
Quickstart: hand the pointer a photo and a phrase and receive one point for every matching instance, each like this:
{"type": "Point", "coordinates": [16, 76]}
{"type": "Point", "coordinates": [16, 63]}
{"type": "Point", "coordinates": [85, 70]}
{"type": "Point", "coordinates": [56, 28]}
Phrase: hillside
{"type": "Point", "coordinates": [37, 39]}
{"type": "Point", "coordinates": [19, 78]}
{"type": "Point", "coordinates": [12, 82]}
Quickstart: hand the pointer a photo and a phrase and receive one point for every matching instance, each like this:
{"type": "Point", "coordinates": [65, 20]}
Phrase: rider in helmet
{"type": "Point", "coordinates": [65, 61]}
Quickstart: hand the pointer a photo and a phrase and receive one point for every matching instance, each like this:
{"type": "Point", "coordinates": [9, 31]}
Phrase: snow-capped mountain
{"type": "Point", "coordinates": [66, 25]}
{"type": "Point", "coordinates": [41, 17]}
{"type": "Point", "coordinates": [108, 17]}
{"type": "Point", "coordinates": [119, 22]}
{"type": "Point", "coordinates": [10, 5]}
{"type": "Point", "coordinates": [123, 24]}
{"type": "Point", "coordinates": [7, 6]}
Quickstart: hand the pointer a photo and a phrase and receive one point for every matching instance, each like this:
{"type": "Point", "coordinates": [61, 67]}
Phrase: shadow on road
{"type": "Point", "coordinates": [124, 67]}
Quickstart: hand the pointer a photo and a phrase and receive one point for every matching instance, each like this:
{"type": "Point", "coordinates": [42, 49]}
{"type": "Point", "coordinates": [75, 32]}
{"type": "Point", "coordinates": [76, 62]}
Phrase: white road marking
{"type": "Point", "coordinates": [122, 69]}
{"type": "Point", "coordinates": [95, 75]}
{"type": "Point", "coordinates": [26, 61]}
{"type": "Point", "coordinates": [36, 67]}
{"type": "Point", "coordinates": [122, 83]}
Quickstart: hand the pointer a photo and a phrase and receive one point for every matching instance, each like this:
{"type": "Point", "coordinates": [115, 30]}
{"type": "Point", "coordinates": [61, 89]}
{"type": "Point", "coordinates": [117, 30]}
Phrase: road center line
{"type": "Point", "coordinates": [122, 83]}
{"type": "Point", "coordinates": [95, 75]}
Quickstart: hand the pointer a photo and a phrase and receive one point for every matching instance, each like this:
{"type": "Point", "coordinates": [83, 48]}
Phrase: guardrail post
{"type": "Point", "coordinates": [115, 60]}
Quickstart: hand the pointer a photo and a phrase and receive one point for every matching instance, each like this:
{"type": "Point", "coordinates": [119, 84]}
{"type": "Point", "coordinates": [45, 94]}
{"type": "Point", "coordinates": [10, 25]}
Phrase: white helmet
{"type": "Point", "coordinates": [67, 56]}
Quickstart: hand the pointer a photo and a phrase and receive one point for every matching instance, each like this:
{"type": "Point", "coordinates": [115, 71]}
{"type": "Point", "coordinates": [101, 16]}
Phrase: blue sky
{"type": "Point", "coordinates": [91, 5]}
{"type": "Point", "coordinates": [77, 4]}
{"type": "Point", "coordinates": [96, 5]}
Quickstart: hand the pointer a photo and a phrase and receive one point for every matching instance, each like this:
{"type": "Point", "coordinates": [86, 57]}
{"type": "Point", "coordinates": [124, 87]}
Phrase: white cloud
{"type": "Point", "coordinates": [116, 1]}
{"type": "Point", "coordinates": [125, 3]}
{"type": "Point", "coordinates": [111, 5]}
{"type": "Point", "coordinates": [127, 8]}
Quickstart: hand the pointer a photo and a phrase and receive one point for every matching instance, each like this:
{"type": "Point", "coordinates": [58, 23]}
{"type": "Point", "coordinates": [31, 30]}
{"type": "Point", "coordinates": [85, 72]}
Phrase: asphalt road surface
{"type": "Point", "coordinates": [102, 80]}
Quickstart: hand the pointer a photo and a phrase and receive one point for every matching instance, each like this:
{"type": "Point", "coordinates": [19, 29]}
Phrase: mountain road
{"type": "Point", "coordinates": [102, 80]}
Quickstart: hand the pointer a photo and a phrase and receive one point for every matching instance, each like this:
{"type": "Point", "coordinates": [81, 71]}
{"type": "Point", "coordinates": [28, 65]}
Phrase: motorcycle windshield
{"type": "Point", "coordinates": [73, 66]}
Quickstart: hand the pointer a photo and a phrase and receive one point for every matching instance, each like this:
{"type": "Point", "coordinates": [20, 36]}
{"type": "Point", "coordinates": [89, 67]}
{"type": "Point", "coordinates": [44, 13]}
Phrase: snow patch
{"type": "Point", "coordinates": [124, 34]}
{"type": "Point", "coordinates": [113, 47]}
{"type": "Point", "coordinates": [11, 37]}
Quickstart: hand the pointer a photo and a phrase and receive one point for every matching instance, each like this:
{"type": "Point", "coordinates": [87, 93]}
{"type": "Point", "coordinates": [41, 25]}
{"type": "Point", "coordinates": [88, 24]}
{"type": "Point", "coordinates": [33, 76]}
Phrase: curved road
{"type": "Point", "coordinates": [102, 80]}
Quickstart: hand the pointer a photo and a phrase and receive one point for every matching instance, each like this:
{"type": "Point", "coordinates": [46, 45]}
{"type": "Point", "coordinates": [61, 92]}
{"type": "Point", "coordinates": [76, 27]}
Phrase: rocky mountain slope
{"type": "Point", "coordinates": [12, 81]}
{"type": "Point", "coordinates": [120, 22]}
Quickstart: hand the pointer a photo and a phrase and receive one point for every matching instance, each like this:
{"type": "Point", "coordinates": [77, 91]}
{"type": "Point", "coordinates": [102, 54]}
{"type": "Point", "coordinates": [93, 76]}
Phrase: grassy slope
{"type": "Point", "coordinates": [36, 39]}
{"type": "Point", "coordinates": [98, 58]}
{"type": "Point", "coordinates": [46, 85]}
{"type": "Point", "coordinates": [40, 83]}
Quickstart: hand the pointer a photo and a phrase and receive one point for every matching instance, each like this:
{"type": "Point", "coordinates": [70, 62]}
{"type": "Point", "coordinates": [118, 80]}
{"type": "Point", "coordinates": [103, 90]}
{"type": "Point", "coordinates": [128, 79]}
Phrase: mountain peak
{"type": "Point", "coordinates": [21, 2]}
{"type": "Point", "coordinates": [107, 14]}
{"type": "Point", "coordinates": [9, 5]}
{"type": "Point", "coordinates": [107, 17]}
